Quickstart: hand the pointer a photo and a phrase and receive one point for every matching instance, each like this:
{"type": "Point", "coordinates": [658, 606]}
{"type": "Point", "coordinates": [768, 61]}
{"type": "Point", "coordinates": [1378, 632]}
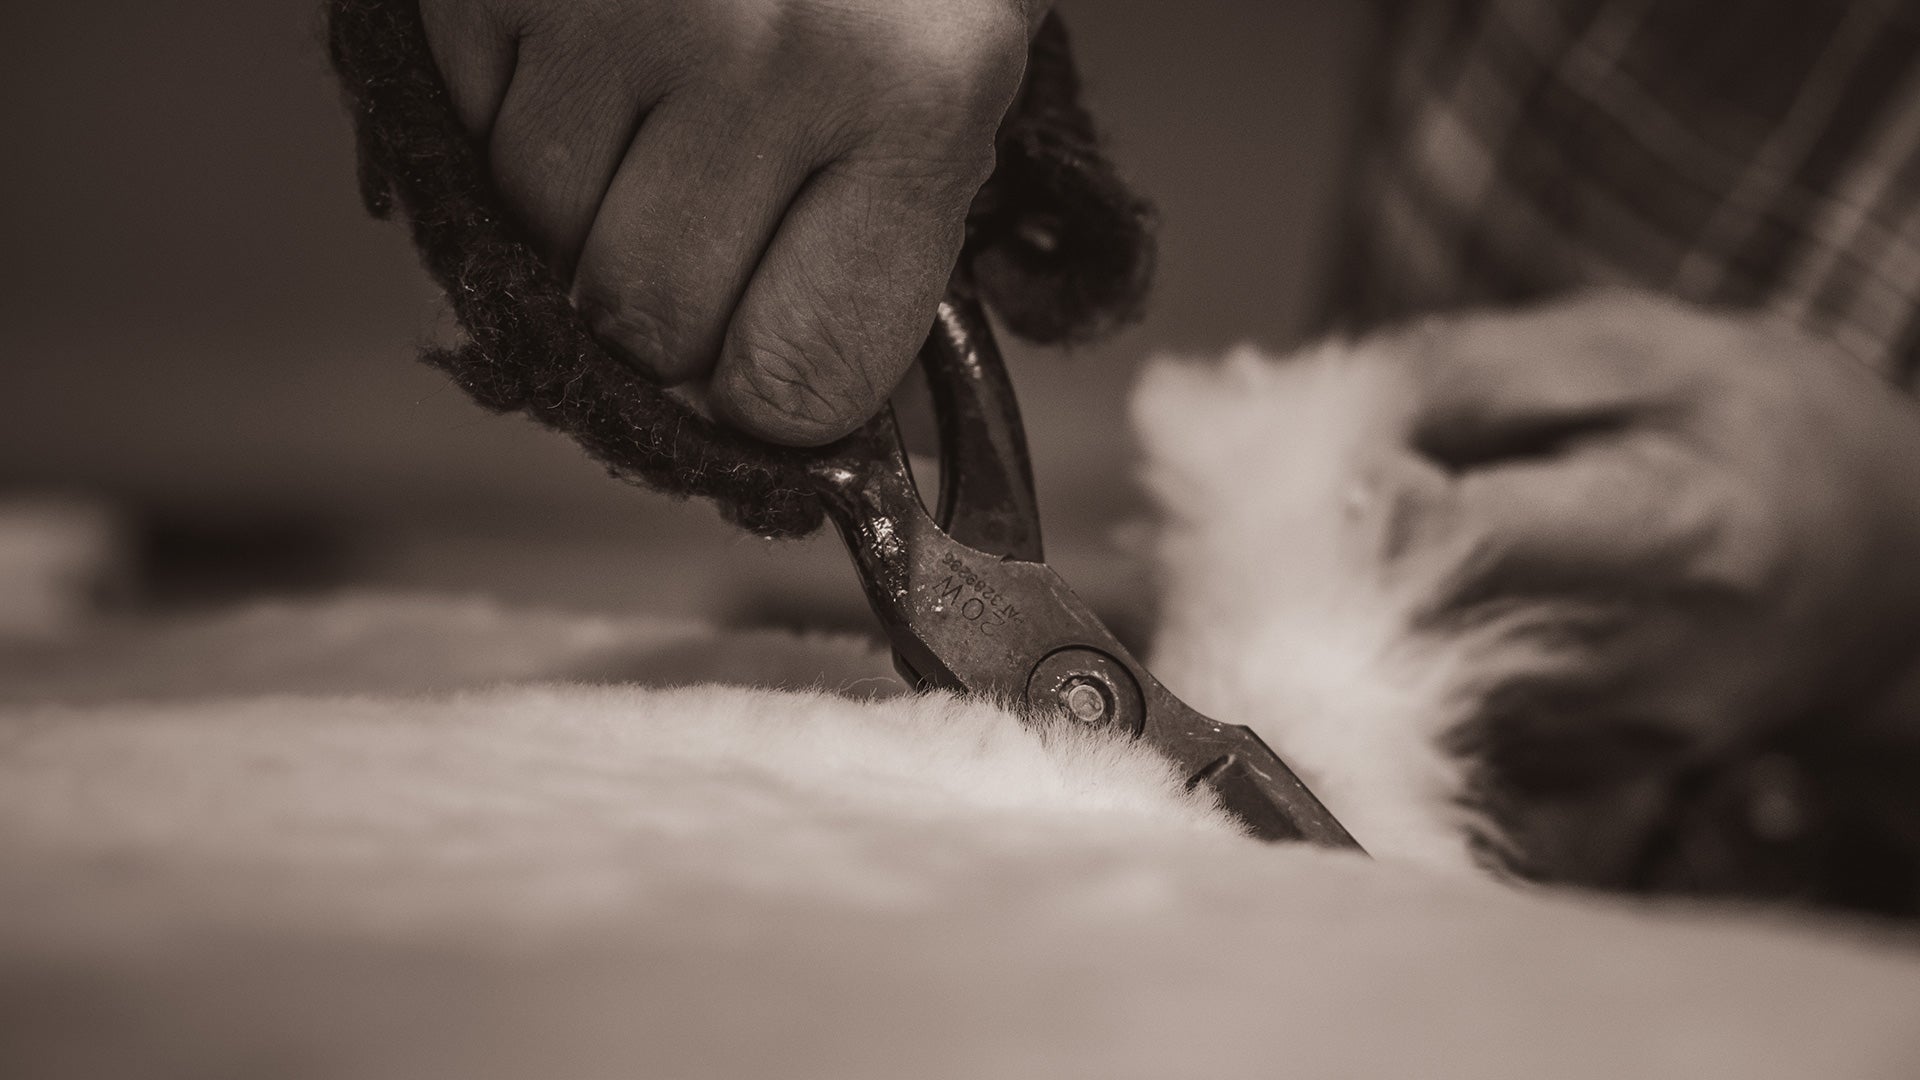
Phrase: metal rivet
{"type": "Point", "coordinates": [1086, 700]}
{"type": "Point", "coordinates": [1091, 687]}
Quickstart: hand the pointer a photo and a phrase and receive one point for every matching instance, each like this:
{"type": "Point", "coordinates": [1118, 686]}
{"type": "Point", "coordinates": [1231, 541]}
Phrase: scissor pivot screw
{"type": "Point", "coordinates": [1086, 700]}
{"type": "Point", "coordinates": [1090, 686]}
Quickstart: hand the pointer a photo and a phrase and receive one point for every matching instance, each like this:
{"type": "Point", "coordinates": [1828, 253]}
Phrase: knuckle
{"type": "Point", "coordinates": [941, 74]}
{"type": "Point", "coordinates": [795, 393]}
{"type": "Point", "coordinates": [970, 54]}
{"type": "Point", "coordinates": [537, 165]}
{"type": "Point", "coordinates": [1739, 545]}
{"type": "Point", "coordinates": [936, 181]}
{"type": "Point", "coordinates": [637, 334]}
{"type": "Point", "coordinates": [609, 46]}
{"type": "Point", "coordinates": [586, 23]}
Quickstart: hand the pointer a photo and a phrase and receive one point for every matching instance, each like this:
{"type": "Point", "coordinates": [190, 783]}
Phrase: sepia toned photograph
{"type": "Point", "coordinates": [522, 548]}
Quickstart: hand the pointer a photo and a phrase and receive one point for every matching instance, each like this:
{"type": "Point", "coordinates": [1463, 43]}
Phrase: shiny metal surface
{"type": "Point", "coordinates": [969, 606]}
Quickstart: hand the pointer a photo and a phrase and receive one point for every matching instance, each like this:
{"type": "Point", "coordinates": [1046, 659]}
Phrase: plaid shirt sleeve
{"type": "Point", "coordinates": [1749, 153]}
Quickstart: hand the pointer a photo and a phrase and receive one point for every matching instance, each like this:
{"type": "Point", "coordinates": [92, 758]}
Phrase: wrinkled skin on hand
{"type": "Point", "coordinates": [1674, 542]}
{"type": "Point", "coordinates": [762, 199]}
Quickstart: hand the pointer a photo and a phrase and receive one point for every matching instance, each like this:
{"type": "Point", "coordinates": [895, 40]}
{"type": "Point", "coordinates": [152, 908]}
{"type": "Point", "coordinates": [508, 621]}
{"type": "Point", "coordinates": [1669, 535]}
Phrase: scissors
{"type": "Point", "coordinates": [970, 605]}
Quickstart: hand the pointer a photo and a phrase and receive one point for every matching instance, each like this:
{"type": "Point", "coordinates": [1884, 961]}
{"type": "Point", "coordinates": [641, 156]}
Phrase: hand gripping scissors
{"type": "Point", "coordinates": [969, 604]}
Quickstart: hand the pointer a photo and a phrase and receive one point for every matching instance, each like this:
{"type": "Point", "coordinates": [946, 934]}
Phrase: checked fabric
{"type": "Point", "coordinates": [1747, 153]}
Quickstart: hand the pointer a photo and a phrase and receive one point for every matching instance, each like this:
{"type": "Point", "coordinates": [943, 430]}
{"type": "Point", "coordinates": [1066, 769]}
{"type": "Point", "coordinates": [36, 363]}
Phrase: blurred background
{"type": "Point", "coordinates": [201, 332]}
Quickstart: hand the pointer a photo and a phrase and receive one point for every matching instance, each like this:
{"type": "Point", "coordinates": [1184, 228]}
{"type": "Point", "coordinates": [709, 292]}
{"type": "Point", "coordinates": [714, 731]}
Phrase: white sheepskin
{"type": "Point", "coordinates": [1273, 612]}
{"type": "Point", "coordinates": [611, 881]}
{"type": "Point", "coordinates": [390, 836]}
{"type": "Point", "coordinates": [581, 801]}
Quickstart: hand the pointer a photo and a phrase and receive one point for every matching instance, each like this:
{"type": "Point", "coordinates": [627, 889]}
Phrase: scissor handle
{"type": "Point", "coordinates": [987, 500]}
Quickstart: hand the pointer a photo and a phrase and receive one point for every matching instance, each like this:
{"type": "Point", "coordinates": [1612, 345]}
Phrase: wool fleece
{"type": "Point", "coordinates": [1273, 611]}
{"type": "Point", "coordinates": [396, 836]}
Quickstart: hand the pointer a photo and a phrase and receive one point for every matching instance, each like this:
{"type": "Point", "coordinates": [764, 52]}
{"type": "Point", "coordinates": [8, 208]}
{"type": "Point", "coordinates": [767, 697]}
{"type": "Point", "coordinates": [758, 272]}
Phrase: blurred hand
{"type": "Point", "coordinates": [1659, 532]}
{"type": "Point", "coordinates": [762, 196]}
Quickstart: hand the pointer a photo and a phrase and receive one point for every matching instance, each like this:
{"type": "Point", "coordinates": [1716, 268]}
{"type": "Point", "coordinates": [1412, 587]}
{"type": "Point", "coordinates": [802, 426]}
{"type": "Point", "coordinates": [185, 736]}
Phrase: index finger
{"type": "Point", "coordinates": [1522, 385]}
{"type": "Point", "coordinates": [1628, 518]}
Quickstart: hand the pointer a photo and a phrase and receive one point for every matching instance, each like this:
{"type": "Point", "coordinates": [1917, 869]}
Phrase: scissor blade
{"type": "Point", "coordinates": [1257, 787]}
